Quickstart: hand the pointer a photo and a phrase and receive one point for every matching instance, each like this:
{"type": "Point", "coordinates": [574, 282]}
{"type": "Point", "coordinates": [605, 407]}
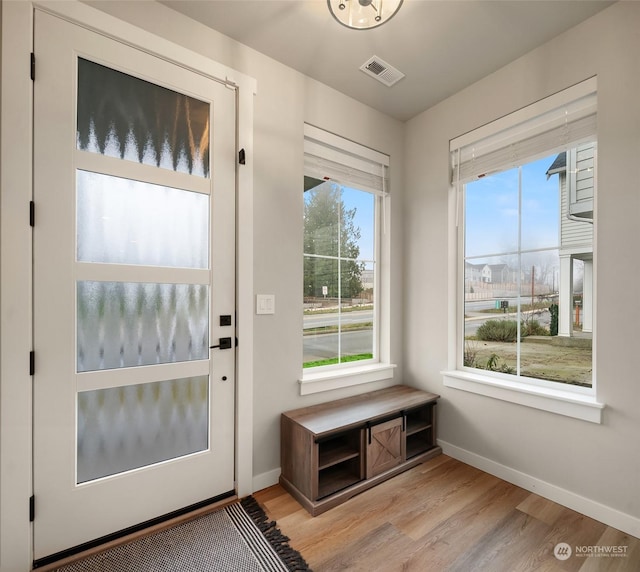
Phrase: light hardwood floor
{"type": "Point", "coordinates": [445, 515]}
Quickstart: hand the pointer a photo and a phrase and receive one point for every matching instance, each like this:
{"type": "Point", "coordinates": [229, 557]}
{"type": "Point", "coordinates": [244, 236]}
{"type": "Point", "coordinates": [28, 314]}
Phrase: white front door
{"type": "Point", "coordinates": [134, 249]}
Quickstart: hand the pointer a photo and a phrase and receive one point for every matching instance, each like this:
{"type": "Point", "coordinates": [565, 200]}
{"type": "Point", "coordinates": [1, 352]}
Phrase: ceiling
{"type": "Point", "coordinates": [441, 45]}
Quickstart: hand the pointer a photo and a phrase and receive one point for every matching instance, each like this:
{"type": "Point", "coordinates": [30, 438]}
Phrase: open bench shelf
{"type": "Point", "coordinates": [335, 450]}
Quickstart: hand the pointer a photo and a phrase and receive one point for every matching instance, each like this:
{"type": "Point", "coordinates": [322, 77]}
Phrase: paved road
{"type": "Point", "coordinates": [477, 305]}
{"type": "Point", "coordinates": [324, 346]}
{"type": "Point", "coordinates": [322, 320]}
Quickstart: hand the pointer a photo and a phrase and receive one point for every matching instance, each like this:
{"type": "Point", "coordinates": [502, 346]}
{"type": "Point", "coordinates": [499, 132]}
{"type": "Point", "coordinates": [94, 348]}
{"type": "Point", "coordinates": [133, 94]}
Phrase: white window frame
{"type": "Point", "coordinates": [524, 134]}
{"type": "Point", "coordinates": [365, 169]}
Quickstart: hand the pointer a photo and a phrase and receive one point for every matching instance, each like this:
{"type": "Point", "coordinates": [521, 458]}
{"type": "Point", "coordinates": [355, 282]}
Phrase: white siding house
{"type": "Point", "coordinates": [576, 176]}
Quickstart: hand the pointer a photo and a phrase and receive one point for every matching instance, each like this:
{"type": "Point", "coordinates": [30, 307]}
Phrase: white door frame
{"type": "Point", "coordinates": [16, 247]}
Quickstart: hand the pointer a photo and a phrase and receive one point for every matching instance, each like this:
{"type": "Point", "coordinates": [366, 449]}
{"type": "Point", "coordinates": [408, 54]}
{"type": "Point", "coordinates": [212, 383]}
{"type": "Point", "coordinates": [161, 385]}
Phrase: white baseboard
{"type": "Point", "coordinates": [607, 515]}
{"type": "Point", "coordinates": [265, 480]}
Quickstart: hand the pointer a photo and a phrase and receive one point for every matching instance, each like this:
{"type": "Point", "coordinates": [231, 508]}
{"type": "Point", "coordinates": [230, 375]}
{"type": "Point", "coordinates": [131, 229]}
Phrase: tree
{"type": "Point", "coordinates": [114, 106]}
{"type": "Point", "coordinates": [330, 233]}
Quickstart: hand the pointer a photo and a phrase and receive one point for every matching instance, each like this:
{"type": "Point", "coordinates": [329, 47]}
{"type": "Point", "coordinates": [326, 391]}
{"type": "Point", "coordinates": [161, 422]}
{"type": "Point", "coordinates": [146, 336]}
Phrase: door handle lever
{"type": "Point", "coordinates": [223, 344]}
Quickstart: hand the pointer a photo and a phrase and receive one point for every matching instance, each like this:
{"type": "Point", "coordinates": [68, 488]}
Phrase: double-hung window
{"type": "Point", "coordinates": [344, 291]}
{"type": "Point", "coordinates": [525, 191]}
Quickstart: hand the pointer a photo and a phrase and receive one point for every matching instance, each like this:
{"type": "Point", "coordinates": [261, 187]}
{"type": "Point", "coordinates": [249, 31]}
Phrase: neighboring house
{"type": "Point", "coordinates": [490, 273]}
{"type": "Point", "coordinates": [576, 176]}
{"type": "Point", "coordinates": [473, 272]}
{"type": "Point", "coordinates": [502, 273]}
{"type": "Point", "coordinates": [367, 277]}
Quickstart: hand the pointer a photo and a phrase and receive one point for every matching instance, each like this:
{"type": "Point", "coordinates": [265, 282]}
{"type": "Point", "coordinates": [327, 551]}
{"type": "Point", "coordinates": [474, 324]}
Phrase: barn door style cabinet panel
{"type": "Point", "coordinates": [333, 451]}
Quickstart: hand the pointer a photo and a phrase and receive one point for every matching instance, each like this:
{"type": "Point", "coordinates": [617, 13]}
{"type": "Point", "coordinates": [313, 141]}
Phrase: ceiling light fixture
{"type": "Point", "coordinates": [363, 14]}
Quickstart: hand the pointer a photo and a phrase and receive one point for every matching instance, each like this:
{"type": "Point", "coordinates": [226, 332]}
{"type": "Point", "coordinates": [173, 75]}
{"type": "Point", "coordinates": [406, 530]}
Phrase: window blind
{"type": "Point", "coordinates": [550, 125]}
{"type": "Point", "coordinates": [329, 157]}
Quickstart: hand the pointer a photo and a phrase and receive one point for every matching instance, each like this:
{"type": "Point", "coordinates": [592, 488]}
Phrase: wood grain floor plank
{"type": "Point", "coordinates": [573, 529]}
{"type": "Point", "coordinates": [445, 543]}
{"type": "Point", "coordinates": [280, 505]}
{"type": "Point", "coordinates": [365, 556]}
{"type": "Point", "coordinates": [626, 558]}
{"type": "Point", "coordinates": [421, 518]}
{"type": "Point", "coordinates": [541, 508]}
{"type": "Point", "coordinates": [315, 536]}
{"type": "Point", "coordinates": [445, 515]}
{"type": "Point", "coordinates": [270, 493]}
{"type": "Point", "coordinates": [321, 537]}
{"type": "Point", "coordinates": [503, 546]}
{"type": "Point", "coordinates": [432, 464]}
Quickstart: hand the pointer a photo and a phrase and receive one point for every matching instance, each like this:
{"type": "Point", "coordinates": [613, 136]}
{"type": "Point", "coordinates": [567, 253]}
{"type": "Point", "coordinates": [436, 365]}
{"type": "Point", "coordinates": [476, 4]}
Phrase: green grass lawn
{"type": "Point", "coordinates": [332, 361]}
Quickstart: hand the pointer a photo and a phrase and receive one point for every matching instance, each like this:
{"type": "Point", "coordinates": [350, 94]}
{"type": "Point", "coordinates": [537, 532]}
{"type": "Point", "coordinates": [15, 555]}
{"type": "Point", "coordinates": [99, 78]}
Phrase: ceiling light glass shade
{"type": "Point", "coordinates": [363, 14]}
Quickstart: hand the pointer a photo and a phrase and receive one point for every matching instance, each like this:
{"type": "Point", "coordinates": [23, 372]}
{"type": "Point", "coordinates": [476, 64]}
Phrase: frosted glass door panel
{"type": "Point", "coordinates": [122, 116]}
{"type": "Point", "coordinates": [134, 255]}
{"type": "Point", "coordinates": [124, 324]}
{"type": "Point", "coordinates": [129, 222]}
{"type": "Point", "coordinates": [125, 428]}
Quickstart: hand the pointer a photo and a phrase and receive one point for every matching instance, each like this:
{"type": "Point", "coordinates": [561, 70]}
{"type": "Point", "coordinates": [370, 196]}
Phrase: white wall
{"type": "Point", "coordinates": [285, 100]}
{"type": "Point", "coordinates": [569, 457]}
{"type": "Point", "coordinates": [599, 462]}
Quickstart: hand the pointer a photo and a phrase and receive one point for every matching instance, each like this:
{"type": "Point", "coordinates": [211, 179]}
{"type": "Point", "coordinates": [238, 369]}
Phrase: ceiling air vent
{"type": "Point", "coordinates": [382, 71]}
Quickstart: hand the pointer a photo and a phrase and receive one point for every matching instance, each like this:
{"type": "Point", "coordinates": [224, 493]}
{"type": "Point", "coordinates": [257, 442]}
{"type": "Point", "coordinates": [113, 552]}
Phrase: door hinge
{"type": "Point", "coordinates": [32, 508]}
{"type": "Point", "coordinates": [33, 66]}
{"type": "Point", "coordinates": [242, 157]}
{"type": "Point", "coordinates": [32, 362]}
{"type": "Point", "coordinates": [32, 213]}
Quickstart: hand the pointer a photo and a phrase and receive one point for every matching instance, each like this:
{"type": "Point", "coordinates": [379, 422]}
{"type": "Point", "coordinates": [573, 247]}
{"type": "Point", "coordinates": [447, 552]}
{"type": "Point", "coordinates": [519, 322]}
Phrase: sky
{"type": "Point", "coordinates": [364, 219]}
{"type": "Point", "coordinates": [492, 210]}
{"type": "Point", "coordinates": [491, 214]}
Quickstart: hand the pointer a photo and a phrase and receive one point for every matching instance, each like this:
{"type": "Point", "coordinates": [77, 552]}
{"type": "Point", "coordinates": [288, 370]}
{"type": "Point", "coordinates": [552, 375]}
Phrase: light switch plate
{"type": "Point", "coordinates": [265, 304]}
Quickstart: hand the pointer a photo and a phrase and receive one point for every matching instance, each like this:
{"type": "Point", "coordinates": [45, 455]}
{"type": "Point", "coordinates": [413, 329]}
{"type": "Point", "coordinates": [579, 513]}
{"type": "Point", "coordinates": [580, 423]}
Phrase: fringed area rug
{"type": "Point", "coordinates": [237, 538]}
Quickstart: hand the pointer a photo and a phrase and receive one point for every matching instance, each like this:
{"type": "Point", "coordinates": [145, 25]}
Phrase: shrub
{"type": "Point", "coordinates": [507, 330]}
{"type": "Point", "coordinates": [532, 328]}
{"type": "Point", "coordinates": [470, 354]}
{"type": "Point", "coordinates": [553, 326]}
{"type": "Point", "coordinates": [493, 364]}
{"type": "Point", "coordinates": [498, 331]}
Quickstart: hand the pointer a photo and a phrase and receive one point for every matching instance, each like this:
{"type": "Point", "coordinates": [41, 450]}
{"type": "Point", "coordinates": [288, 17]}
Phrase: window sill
{"type": "Point", "coordinates": [562, 402]}
{"type": "Point", "coordinates": [346, 377]}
